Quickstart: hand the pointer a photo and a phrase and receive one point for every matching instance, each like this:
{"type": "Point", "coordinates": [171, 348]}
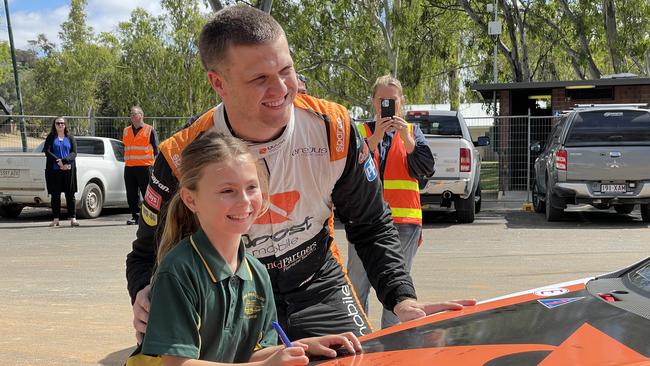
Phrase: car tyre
{"type": "Point", "coordinates": [92, 201]}
{"type": "Point", "coordinates": [11, 211]}
{"type": "Point", "coordinates": [552, 213]}
{"type": "Point", "coordinates": [645, 212]}
{"type": "Point", "coordinates": [465, 209]}
{"type": "Point", "coordinates": [624, 209]}
{"type": "Point", "coordinates": [478, 199]}
{"type": "Point", "coordinates": [538, 204]}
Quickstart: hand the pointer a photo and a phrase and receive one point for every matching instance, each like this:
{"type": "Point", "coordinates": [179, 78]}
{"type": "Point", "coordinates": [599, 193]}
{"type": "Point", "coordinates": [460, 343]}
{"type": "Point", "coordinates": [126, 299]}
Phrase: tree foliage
{"type": "Point", "coordinates": [435, 47]}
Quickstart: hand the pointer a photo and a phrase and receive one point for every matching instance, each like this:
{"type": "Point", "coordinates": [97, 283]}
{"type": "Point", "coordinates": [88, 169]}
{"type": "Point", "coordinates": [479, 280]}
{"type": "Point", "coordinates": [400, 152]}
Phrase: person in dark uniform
{"type": "Point", "coordinates": [60, 169]}
{"type": "Point", "coordinates": [140, 149]}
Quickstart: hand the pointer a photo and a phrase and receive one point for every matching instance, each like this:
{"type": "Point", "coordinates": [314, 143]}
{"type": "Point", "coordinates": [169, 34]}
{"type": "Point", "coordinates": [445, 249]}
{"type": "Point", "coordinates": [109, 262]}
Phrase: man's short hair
{"type": "Point", "coordinates": [136, 109]}
{"type": "Point", "coordinates": [238, 25]}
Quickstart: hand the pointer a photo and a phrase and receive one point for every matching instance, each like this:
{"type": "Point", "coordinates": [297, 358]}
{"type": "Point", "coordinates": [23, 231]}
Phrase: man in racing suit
{"type": "Point", "coordinates": [315, 161]}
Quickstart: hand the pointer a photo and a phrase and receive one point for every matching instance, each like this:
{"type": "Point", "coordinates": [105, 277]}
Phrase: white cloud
{"type": "Point", "coordinates": [101, 15]}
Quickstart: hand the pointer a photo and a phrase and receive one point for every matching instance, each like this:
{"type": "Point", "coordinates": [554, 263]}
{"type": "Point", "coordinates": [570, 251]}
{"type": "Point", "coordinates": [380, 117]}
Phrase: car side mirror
{"type": "Point", "coordinates": [482, 141]}
{"type": "Point", "coordinates": [536, 147]}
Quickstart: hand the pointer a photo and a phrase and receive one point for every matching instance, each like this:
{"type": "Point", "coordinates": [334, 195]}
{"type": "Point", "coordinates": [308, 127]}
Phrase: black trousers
{"type": "Point", "coordinates": [136, 179]}
{"type": "Point", "coordinates": [62, 184]}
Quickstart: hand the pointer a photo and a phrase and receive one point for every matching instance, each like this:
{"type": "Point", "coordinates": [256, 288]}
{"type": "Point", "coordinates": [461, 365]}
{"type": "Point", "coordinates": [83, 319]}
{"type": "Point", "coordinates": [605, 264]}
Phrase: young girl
{"type": "Point", "coordinates": [210, 300]}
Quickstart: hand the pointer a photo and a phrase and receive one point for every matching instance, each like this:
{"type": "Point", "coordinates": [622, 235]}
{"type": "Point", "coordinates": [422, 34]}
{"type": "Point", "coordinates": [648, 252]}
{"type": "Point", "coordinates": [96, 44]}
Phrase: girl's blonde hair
{"type": "Point", "coordinates": [211, 147]}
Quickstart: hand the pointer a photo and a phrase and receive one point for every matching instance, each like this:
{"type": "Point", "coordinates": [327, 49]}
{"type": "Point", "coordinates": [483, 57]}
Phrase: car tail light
{"type": "Point", "coordinates": [417, 115]}
{"type": "Point", "coordinates": [465, 160]}
{"type": "Point", "coordinates": [560, 159]}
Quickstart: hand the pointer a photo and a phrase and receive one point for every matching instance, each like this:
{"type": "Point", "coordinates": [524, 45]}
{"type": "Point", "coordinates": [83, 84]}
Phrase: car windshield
{"type": "Point", "coordinates": [613, 127]}
{"type": "Point", "coordinates": [438, 125]}
{"type": "Point", "coordinates": [640, 277]}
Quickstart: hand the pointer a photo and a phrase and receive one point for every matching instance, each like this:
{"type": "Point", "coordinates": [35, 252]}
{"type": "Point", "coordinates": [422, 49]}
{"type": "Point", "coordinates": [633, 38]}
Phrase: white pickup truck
{"type": "Point", "coordinates": [100, 178]}
{"type": "Point", "coordinates": [458, 163]}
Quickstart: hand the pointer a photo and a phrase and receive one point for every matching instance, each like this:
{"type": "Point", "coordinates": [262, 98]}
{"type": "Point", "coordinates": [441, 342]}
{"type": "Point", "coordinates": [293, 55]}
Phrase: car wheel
{"type": "Point", "coordinates": [552, 213]}
{"type": "Point", "coordinates": [478, 199]}
{"type": "Point", "coordinates": [11, 211]}
{"type": "Point", "coordinates": [465, 209]}
{"type": "Point", "coordinates": [92, 201]}
{"type": "Point", "coordinates": [624, 209]}
{"type": "Point", "coordinates": [538, 204]}
{"type": "Point", "coordinates": [645, 212]}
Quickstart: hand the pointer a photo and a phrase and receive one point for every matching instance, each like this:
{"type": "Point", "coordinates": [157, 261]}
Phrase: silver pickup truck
{"type": "Point", "coordinates": [597, 155]}
{"type": "Point", "coordinates": [458, 163]}
{"type": "Point", "coordinates": [100, 178]}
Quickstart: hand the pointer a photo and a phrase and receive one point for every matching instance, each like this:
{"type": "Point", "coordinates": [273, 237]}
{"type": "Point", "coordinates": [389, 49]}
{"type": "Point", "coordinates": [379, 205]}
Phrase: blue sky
{"type": "Point", "coordinates": [31, 17]}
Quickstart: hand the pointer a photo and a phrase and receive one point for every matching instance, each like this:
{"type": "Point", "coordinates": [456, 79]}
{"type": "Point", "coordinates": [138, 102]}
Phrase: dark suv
{"type": "Point", "coordinates": [597, 155]}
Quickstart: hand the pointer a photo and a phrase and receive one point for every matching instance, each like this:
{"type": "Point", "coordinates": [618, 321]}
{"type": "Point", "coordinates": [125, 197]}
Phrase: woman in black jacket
{"type": "Point", "coordinates": [60, 169]}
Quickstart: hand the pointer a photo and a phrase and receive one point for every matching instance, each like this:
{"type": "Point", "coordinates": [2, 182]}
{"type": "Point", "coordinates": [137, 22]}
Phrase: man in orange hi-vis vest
{"type": "Point", "coordinates": [140, 149]}
{"type": "Point", "coordinates": [402, 155]}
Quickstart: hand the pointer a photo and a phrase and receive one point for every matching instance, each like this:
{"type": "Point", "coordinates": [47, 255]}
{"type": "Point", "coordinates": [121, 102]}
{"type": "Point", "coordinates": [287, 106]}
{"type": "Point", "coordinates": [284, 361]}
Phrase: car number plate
{"type": "Point", "coordinates": [9, 173]}
{"type": "Point", "coordinates": [613, 188]}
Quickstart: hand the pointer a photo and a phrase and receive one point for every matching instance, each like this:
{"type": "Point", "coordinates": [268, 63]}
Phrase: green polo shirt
{"type": "Point", "coordinates": [201, 310]}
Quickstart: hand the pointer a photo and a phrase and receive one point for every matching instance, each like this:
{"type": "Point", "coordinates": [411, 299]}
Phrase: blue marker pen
{"type": "Point", "coordinates": [281, 333]}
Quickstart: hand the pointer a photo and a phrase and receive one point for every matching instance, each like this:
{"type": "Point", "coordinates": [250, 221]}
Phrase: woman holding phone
{"type": "Point", "coordinates": [402, 156]}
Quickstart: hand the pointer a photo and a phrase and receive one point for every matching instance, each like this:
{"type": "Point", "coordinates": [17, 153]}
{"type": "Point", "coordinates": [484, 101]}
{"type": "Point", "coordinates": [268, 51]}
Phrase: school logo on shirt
{"type": "Point", "coordinates": [252, 305]}
{"type": "Point", "coordinates": [149, 216]}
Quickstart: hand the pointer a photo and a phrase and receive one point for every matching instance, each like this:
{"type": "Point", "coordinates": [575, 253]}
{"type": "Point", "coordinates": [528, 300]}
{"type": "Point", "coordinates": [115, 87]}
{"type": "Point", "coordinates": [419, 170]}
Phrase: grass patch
{"type": "Point", "coordinates": [490, 175]}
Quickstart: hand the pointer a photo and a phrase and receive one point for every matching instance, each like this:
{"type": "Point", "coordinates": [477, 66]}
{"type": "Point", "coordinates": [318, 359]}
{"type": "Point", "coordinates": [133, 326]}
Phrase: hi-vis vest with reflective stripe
{"type": "Point", "coordinates": [401, 191]}
{"type": "Point", "coordinates": [137, 149]}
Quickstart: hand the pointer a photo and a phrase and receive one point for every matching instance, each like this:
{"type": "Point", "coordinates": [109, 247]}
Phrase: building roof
{"type": "Point", "coordinates": [487, 89]}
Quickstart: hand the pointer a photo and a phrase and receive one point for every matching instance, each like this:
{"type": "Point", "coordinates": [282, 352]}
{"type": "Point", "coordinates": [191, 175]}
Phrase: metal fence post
{"type": "Point", "coordinates": [528, 160]}
{"type": "Point", "coordinates": [91, 123]}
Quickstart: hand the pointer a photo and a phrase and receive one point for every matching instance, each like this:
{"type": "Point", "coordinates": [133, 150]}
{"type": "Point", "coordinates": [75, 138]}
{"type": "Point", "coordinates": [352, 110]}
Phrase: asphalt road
{"type": "Point", "coordinates": [64, 299]}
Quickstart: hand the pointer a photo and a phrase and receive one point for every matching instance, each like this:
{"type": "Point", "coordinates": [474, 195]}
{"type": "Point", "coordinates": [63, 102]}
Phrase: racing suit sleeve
{"type": "Point", "coordinates": [359, 201]}
{"type": "Point", "coordinates": [420, 161]}
{"type": "Point", "coordinates": [142, 258]}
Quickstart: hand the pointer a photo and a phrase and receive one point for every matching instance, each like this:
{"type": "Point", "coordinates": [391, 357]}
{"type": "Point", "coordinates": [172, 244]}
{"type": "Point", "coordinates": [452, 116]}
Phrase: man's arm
{"type": "Point", "coordinates": [153, 140]}
{"type": "Point", "coordinates": [140, 262]}
{"type": "Point", "coordinates": [369, 226]}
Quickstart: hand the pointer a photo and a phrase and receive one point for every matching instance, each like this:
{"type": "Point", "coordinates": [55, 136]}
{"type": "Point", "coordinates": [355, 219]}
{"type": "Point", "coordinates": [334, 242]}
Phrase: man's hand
{"type": "Point", "coordinates": [324, 346]}
{"type": "Point", "coordinates": [141, 312]}
{"type": "Point", "coordinates": [410, 309]}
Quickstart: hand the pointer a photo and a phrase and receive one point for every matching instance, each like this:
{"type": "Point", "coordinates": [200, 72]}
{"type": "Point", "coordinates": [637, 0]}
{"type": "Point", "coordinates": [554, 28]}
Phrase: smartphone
{"type": "Point", "coordinates": [387, 108]}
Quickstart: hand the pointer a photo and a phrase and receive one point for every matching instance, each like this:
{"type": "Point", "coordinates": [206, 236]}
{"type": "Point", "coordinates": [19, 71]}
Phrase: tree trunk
{"type": "Point", "coordinates": [216, 5]}
{"type": "Point", "coordinates": [609, 10]}
{"type": "Point", "coordinates": [505, 51]}
{"type": "Point", "coordinates": [582, 40]}
{"type": "Point", "coordinates": [452, 76]}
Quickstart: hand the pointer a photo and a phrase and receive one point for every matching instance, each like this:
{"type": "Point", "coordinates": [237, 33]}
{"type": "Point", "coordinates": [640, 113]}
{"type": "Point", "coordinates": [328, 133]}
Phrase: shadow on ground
{"type": "Point", "coordinates": [574, 219]}
{"type": "Point", "coordinates": [117, 358]}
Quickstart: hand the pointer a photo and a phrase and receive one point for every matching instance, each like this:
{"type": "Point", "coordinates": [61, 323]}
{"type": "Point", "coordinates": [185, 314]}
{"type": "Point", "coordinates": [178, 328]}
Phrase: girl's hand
{"type": "Point", "coordinates": [291, 356]}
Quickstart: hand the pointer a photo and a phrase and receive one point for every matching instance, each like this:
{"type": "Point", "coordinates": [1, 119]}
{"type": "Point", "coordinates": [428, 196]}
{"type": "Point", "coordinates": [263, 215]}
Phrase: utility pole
{"type": "Point", "coordinates": [494, 30]}
{"type": "Point", "coordinates": [23, 132]}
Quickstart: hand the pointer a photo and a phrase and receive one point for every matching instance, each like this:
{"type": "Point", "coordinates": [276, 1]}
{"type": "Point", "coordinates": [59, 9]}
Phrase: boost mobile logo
{"type": "Point", "coordinates": [281, 207]}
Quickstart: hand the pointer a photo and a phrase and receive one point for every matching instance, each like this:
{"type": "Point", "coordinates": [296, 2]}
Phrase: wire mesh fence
{"type": "Point", "coordinates": [506, 167]}
{"type": "Point", "coordinates": [36, 129]}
